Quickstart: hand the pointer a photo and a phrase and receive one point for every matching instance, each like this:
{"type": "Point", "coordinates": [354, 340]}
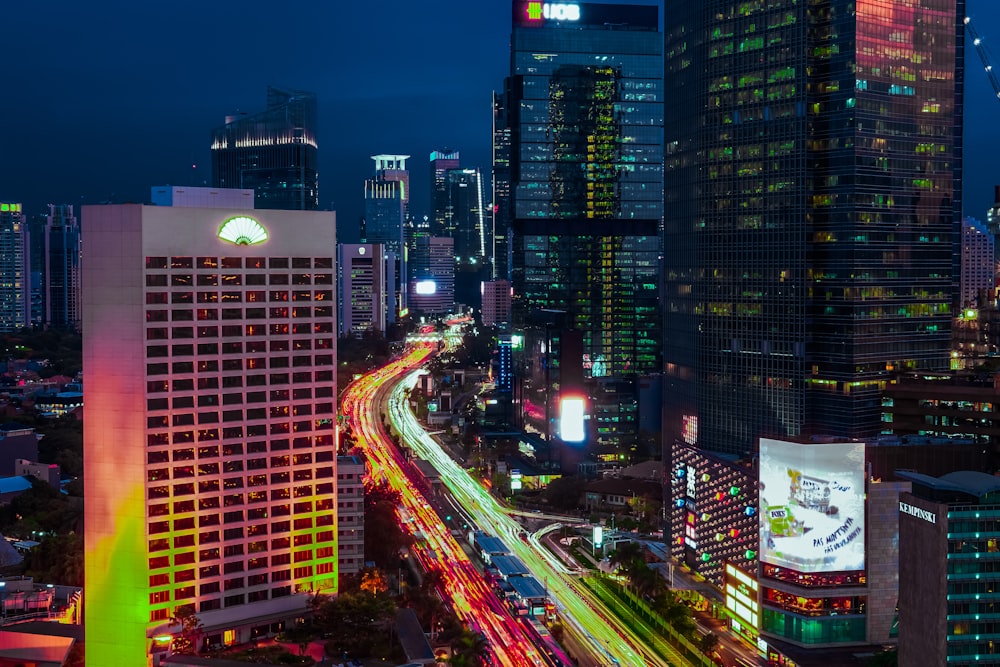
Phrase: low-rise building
{"type": "Point", "coordinates": [350, 515]}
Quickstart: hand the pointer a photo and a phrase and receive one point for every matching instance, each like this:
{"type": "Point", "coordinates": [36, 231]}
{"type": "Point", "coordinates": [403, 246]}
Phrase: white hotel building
{"type": "Point", "coordinates": [210, 412]}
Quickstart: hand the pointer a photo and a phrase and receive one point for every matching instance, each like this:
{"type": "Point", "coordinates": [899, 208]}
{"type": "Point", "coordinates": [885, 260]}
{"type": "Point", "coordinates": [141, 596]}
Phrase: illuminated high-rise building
{"type": "Point", "coordinates": [978, 275]}
{"type": "Point", "coordinates": [210, 404]}
{"type": "Point", "coordinates": [393, 168]}
{"type": "Point", "coordinates": [813, 190]}
{"type": "Point", "coordinates": [584, 112]}
{"type": "Point", "coordinates": [61, 268]}
{"type": "Point", "coordinates": [383, 224]}
{"type": "Point", "coordinates": [440, 162]}
{"type": "Point", "coordinates": [272, 152]}
{"type": "Point", "coordinates": [500, 212]}
{"type": "Point", "coordinates": [432, 283]}
{"type": "Point", "coordinates": [362, 299]}
{"type": "Point", "coordinates": [465, 222]}
{"type": "Point", "coordinates": [15, 287]}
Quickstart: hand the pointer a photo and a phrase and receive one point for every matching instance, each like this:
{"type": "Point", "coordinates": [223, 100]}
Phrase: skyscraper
{"type": "Point", "coordinates": [15, 297]}
{"type": "Point", "coordinates": [440, 162]}
{"type": "Point", "coordinates": [978, 275]}
{"type": "Point", "coordinates": [209, 434]}
{"type": "Point", "coordinates": [393, 168]}
{"type": "Point", "coordinates": [500, 211]}
{"type": "Point", "coordinates": [465, 222]}
{"type": "Point", "coordinates": [61, 269]}
{"type": "Point", "coordinates": [273, 152]}
{"type": "Point", "coordinates": [432, 284]}
{"type": "Point", "coordinates": [385, 204]}
{"type": "Point", "coordinates": [813, 192]}
{"type": "Point", "coordinates": [585, 112]}
{"type": "Point", "coordinates": [361, 270]}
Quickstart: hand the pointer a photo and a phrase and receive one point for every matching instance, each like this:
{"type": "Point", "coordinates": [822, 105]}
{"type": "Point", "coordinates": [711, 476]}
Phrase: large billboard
{"type": "Point", "coordinates": [812, 505]}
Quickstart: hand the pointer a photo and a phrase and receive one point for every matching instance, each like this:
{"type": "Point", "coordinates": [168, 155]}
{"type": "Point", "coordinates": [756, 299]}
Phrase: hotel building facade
{"type": "Point", "coordinates": [210, 422]}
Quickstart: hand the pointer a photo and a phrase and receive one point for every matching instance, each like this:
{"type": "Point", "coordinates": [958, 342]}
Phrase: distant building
{"type": "Point", "coordinates": [949, 582]}
{"type": "Point", "coordinates": [500, 210]}
{"type": "Point", "coordinates": [272, 152]}
{"type": "Point", "coordinates": [959, 407]}
{"type": "Point", "coordinates": [496, 302]}
{"type": "Point", "coordinates": [362, 289]}
{"type": "Point", "coordinates": [432, 285]}
{"type": "Point", "coordinates": [441, 161]}
{"type": "Point", "coordinates": [15, 270]}
{"type": "Point", "coordinates": [61, 268]}
{"type": "Point", "coordinates": [393, 168]}
{"type": "Point", "coordinates": [465, 222]}
{"type": "Point", "coordinates": [993, 219]}
{"type": "Point", "coordinates": [350, 515]}
{"type": "Point", "coordinates": [16, 442]}
{"type": "Point", "coordinates": [185, 196]}
{"type": "Point", "coordinates": [385, 205]}
{"type": "Point", "coordinates": [46, 472]}
{"type": "Point", "coordinates": [978, 270]}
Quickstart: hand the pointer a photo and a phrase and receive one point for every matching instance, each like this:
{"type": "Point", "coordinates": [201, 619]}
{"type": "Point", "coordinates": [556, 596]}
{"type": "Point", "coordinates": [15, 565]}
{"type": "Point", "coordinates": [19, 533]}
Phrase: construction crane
{"type": "Point", "coordinates": [984, 55]}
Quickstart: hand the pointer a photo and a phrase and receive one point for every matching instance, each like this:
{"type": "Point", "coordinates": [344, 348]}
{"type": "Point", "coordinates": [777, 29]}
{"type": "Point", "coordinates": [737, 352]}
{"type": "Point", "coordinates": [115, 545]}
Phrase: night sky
{"type": "Point", "coordinates": [104, 99]}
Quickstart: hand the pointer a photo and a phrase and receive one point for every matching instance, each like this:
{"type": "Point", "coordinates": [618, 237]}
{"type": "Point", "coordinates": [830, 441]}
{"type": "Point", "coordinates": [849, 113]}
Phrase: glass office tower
{"type": "Point", "coordinates": [273, 152]}
{"type": "Point", "coordinates": [15, 295]}
{"type": "Point", "coordinates": [812, 169]}
{"type": "Point", "coordinates": [61, 268]}
{"type": "Point", "coordinates": [585, 116]}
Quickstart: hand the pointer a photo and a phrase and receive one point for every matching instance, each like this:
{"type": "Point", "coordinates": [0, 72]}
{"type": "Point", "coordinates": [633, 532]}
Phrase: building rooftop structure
{"type": "Point", "coordinates": [968, 482]}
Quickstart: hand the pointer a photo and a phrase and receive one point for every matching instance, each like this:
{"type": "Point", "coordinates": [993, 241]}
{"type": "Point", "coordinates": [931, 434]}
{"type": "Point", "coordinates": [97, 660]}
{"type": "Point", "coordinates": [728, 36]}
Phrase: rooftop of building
{"type": "Point", "coordinates": [624, 487]}
{"type": "Point", "coordinates": [968, 482]}
{"type": "Point", "coordinates": [490, 544]}
{"type": "Point", "coordinates": [12, 428]}
{"type": "Point", "coordinates": [411, 636]}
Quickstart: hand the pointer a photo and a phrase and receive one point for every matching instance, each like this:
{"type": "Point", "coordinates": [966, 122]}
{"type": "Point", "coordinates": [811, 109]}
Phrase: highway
{"type": "Point", "coordinates": [607, 639]}
{"type": "Point", "coordinates": [464, 587]}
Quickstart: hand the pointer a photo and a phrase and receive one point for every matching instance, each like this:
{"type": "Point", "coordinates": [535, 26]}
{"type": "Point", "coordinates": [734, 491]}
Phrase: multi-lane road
{"type": "Point", "coordinates": [463, 586]}
{"type": "Point", "coordinates": [597, 634]}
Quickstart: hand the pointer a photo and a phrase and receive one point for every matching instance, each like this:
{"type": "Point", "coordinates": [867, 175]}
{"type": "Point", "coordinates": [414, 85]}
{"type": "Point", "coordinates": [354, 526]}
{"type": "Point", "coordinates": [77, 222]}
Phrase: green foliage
{"type": "Point", "coordinates": [355, 621]}
{"type": "Point", "coordinates": [468, 649]}
{"type": "Point", "coordinates": [62, 349]}
{"type": "Point", "coordinates": [383, 536]}
{"type": "Point", "coordinates": [708, 642]}
{"type": "Point", "coordinates": [62, 444]}
{"type": "Point", "coordinates": [187, 638]}
{"type": "Point", "coordinates": [564, 493]}
{"type": "Point", "coordinates": [57, 560]}
{"type": "Point", "coordinates": [40, 509]}
{"type": "Point", "coordinates": [889, 658]}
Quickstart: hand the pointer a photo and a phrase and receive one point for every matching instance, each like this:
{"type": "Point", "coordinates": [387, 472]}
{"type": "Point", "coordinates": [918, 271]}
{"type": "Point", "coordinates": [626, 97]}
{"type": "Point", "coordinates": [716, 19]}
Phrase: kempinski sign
{"type": "Point", "coordinates": [929, 517]}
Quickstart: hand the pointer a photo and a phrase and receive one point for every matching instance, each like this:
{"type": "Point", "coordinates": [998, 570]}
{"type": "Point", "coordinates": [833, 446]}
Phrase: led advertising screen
{"type": "Point", "coordinates": [571, 427]}
{"type": "Point", "coordinates": [426, 287]}
{"type": "Point", "coordinates": [812, 505]}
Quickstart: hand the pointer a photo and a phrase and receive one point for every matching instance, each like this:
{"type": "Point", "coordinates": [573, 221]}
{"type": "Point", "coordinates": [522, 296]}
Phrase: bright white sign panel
{"type": "Point", "coordinates": [426, 287]}
{"type": "Point", "coordinates": [571, 420]}
{"type": "Point", "coordinates": [812, 505]}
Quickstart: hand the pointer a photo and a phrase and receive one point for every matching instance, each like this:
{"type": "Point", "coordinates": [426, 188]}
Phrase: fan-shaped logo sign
{"type": "Point", "coordinates": [242, 230]}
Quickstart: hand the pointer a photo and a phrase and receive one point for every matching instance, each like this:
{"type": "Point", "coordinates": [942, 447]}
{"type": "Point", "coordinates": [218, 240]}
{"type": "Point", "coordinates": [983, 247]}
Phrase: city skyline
{"type": "Point", "coordinates": [173, 96]}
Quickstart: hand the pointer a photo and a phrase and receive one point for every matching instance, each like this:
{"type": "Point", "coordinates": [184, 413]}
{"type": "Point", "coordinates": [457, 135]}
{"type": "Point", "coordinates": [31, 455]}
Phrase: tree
{"type": "Point", "coordinates": [468, 648]}
{"type": "Point", "coordinates": [383, 537]}
{"type": "Point", "coordinates": [186, 641]}
{"type": "Point", "coordinates": [888, 658]}
{"type": "Point", "coordinates": [373, 581]}
{"type": "Point", "coordinates": [58, 559]}
{"type": "Point", "coordinates": [708, 642]}
{"type": "Point", "coordinates": [564, 493]}
{"type": "Point", "coordinates": [355, 621]}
